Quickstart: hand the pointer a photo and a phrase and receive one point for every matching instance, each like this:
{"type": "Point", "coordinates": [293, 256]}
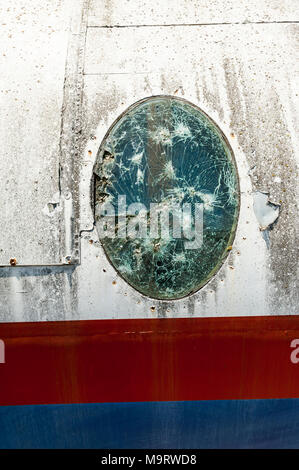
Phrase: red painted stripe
{"type": "Point", "coordinates": [149, 360]}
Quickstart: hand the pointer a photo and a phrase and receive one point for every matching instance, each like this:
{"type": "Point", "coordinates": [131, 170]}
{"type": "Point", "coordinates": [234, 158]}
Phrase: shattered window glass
{"type": "Point", "coordinates": [165, 153]}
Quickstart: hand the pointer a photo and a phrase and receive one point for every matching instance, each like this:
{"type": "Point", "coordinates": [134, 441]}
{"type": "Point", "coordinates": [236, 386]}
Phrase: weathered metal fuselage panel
{"type": "Point", "coordinates": [68, 77]}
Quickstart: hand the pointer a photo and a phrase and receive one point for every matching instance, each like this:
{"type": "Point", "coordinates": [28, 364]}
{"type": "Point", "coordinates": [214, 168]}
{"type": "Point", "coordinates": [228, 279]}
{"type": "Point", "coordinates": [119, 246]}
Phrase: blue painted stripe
{"type": "Point", "coordinates": [194, 424]}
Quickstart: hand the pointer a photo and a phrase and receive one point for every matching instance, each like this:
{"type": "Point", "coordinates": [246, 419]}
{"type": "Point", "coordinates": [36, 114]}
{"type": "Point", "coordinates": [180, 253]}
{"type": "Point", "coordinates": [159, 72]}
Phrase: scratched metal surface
{"type": "Point", "coordinates": [34, 39]}
{"type": "Point", "coordinates": [238, 64]}
{"type": "Point", "coordinates": [142, 12]}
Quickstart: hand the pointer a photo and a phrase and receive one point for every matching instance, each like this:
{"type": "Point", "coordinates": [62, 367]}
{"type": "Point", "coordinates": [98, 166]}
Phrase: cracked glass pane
{"type": "Point", "coordinates": [166, 197]}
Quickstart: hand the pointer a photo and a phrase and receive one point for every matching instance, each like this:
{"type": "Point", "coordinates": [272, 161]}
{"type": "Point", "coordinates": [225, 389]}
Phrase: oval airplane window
{"type": "Point", "coordinates": [166, 197]}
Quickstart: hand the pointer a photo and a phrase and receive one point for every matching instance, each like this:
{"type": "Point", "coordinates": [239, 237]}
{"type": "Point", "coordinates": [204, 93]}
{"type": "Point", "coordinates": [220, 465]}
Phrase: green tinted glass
{"type": "Point", "coordinates": [166, 154]}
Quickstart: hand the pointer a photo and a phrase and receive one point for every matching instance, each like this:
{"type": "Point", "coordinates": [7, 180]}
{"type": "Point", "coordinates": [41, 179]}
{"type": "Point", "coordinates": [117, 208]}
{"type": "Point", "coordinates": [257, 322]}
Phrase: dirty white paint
{"type": "Point", "coordinates": [236, 61]}
{"type": "Point", "coordinates": [147, 12]}
{"type": "Point", "coordinates": [34, 39]}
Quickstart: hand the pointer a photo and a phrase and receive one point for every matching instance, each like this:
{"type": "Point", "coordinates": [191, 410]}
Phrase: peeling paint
{"type": "Point", "coordinates": [266, 211]}
{"type": "Point", "coordinates": [53, 206]}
